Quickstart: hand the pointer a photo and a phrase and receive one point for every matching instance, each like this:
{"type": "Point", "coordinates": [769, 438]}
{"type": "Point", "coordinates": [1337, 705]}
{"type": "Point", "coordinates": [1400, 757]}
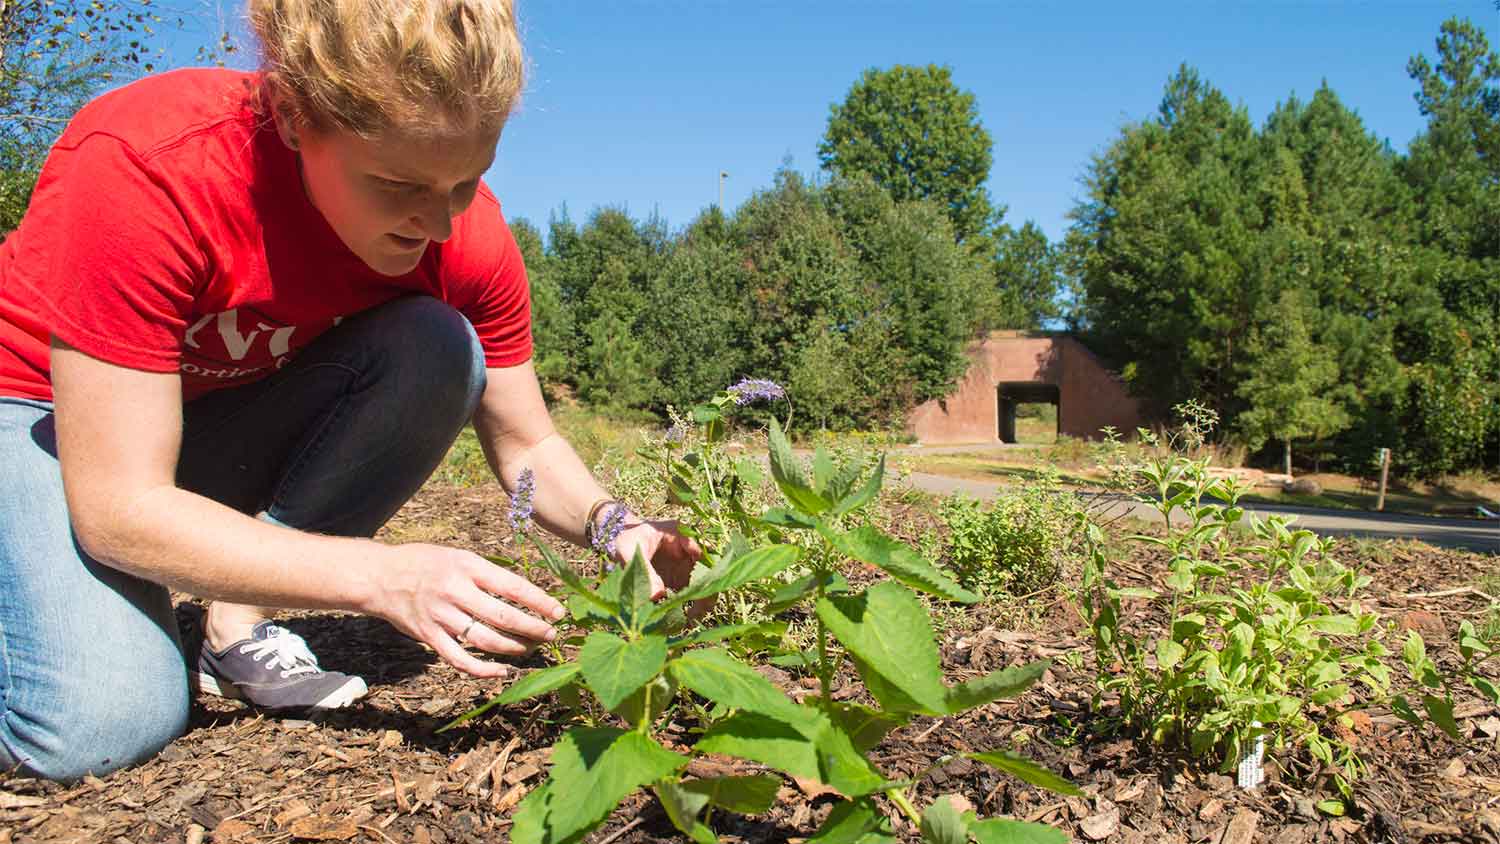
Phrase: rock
{"type": "Point", "coordinates": [1302, 486]}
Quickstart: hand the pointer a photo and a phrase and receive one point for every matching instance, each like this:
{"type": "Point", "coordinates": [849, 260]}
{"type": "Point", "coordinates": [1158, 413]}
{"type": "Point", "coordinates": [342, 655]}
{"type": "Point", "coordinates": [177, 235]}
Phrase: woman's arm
{"type": "Point", "coordinates": [119, 433]}
{"type": "Point", "coordinates": [517, 433]}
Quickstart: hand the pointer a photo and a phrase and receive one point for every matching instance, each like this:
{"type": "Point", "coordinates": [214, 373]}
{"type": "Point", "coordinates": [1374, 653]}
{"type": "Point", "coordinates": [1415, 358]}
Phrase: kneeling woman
{"type": "Point", "coordinates": [244, 318]}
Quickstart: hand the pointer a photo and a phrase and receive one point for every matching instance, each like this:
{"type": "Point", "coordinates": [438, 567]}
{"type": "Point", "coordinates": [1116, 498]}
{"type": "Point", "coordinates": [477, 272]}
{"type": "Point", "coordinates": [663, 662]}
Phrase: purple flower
{"type": "Point", "coordinates": [676, 433]}
{"type": "Point", "coordinates": [614, 521]}
{"type": "Point", "coordinates": [755, 389]}
{"type": "Point", "coordinates": [520, 502]}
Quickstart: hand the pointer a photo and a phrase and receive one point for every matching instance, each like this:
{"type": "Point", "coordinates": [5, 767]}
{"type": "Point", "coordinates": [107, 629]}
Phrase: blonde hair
{"type": "Point", "coordinates": [424, 67]}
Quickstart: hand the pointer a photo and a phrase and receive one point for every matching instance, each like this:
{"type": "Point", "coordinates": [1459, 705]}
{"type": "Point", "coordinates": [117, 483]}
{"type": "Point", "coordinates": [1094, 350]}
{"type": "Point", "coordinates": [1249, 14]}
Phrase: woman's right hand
{"type": "Point", "coordinates": [432, 594]}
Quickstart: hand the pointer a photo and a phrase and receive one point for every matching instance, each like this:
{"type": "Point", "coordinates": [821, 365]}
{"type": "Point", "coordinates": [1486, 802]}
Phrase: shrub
{"type": "Point", "coordinates": [1019, 545]}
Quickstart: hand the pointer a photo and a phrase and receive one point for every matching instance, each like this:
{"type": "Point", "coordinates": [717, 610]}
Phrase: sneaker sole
{"type": "Point", "coordinates": [339, 698]}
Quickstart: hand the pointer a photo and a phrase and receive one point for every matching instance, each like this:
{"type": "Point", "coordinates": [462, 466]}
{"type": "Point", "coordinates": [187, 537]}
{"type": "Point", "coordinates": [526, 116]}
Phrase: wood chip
{"type": "Point", "coordinates": [497, 768]}
{"type": "Point", "coordinates": [403, 803]}
{"type": "Point", "coordinates": [420, 835]}
{"type": "Point", "coordinates": [294, 810]}
{"type": "Point", "coordinates": [1101, 826]}
{"type": "Point", "coordinates": [390, 739]}
{"type": "Point", "coordinates": [1454, 770]}
{"type": "Point", "coordinates": [19, 801]}
{"type": "Point", "coordinates": [504, 802]}
{"type": "Point", "coordinates": [195, 834]}
{"type": "Point", "coordinates": [436, 706]}
{"type": "Point", "coordinates": [521, 773]}
{"type": "Point", "coordinates": [1241, 827]}
{"type": "Point", "coordinates": [459, 765]}
{"type": "Point", "coordinates": [320, 828]}
{"type": "Point", "coordinates": [234, 831]}
{"type": "Point", "coordinates": [1210, 809]}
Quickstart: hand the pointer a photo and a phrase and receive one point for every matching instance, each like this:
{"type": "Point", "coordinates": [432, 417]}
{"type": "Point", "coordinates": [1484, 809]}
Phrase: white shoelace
{"type": "Point", "coordinates": [287, 649]}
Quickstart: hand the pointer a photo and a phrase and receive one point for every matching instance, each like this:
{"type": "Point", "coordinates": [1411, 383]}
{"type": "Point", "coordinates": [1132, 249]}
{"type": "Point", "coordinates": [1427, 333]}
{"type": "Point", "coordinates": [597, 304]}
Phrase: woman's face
{"type": "Point", "coordinates": [388, 198]}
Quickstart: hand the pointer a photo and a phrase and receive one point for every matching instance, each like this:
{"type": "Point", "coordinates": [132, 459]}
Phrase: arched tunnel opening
{"type": "Point", "coordinates": [1011, 395]}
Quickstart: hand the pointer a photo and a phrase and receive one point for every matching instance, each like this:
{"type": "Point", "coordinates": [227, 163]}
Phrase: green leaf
{"type": "Point", "coordinates": [790, 593]}
{"type": "Point", "coordinates": [822, 470]}
{"type": "Point", "coordinates": [1414, 651]}
{"type": "Point", "coordinates": [865, 494]}
{"type": "Point", "coordinates": [533, 684]}
{"type": "Point", "coordinates": [854, 822]}
{"type": "Point", "coordinates": [942, 824]}
{"type": "Point", "coordinates": [745, 568]}
{"type": "Point", "coordinates": [771, 630]}
{"type": "Point", "coordinates": [1008, 831]}
{"type": "Point", "coordinates": [1441, 713]}
{"type": "Point", "coordinates": [1135, 592]}
{"type": "Point", "coordinates": [781, 517]}
{"type": "Point", "coordinates": [528, 823]}
{"type": "Point", "coordinates": [889, 633]}
{"type": "Point", "coordinates": [593, 769]}
{"type": "Point", "coordinates": [682, 807]}
{"type": "Point", "coordinates": [635, 587]}
{"type": "Point", "coordinates": [1168, 653]}
{"type": "Point", "coordinates": [808, 746]}
{"type": "Point", "coordinates": [571, 579]}
{"type": "Point", "coordinates": [1026, 771]}
{"type": "Point", "coordinates": [898, 560]}
{"type": "Point", "coordinates": [1006, 683]}
{"type": "Point", "coordinates": [788, 475]}
{"type": "Point", "coordinates": [721, 678]}
{"type": "Point", "coordinates": [1335, 625]}
{"type": "Point", "coordinates": [614, 668]}
{"type": "Point", "coordinates": [864, 726]}
{"type": "Point", "coordinates": [1332, 808]}
{"type": "Point", "coordinates": [1329, 694]}
{"type": "Point", "coordinates": [749, 472]}
{"type": "Point", "coordinates": [1487, 688]}
{"type": "Point", "coordinates": [752, 795]}
{"type": "Point", "coordinates": [706, 413]}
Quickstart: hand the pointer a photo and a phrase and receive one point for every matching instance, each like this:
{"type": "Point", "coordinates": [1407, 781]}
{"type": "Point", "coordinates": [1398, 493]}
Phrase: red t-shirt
{"type": "Point", "coordinates": [170, 232]}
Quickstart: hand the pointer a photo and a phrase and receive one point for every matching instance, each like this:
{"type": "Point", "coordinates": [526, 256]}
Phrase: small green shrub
{"type": "Point", "coordinates": [1019, 545]}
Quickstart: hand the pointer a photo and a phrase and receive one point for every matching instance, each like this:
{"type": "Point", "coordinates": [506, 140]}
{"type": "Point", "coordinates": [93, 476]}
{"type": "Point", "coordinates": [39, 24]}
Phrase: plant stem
{"type": "Point", "coordinates": [644, 728]}
{"type": "Point", "coordinates": [825, 670]}
{"type": "Point", "coordinates": [898, 796]}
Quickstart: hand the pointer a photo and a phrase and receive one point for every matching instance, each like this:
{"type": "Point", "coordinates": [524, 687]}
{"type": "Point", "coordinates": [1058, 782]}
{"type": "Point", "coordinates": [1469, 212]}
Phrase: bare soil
{"type": "Point", "coordinates": [379, 772]}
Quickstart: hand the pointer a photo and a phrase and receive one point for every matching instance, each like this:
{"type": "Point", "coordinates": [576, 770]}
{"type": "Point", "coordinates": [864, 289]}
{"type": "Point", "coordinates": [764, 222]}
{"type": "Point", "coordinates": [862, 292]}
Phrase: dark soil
{"type": "Point", "coordinates": [379, 772]}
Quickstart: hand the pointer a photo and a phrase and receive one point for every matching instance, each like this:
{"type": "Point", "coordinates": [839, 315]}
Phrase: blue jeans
{"type": "Point", "coordinates": [92, 673]}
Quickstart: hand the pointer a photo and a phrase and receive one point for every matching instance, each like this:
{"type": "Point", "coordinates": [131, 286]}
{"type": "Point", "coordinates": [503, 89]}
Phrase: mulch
{"type": "Point", "coordinates": [379, 772]}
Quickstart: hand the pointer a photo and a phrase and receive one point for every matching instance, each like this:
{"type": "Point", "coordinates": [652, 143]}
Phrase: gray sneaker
{"type": "Point", "coordinates": [273, 669]}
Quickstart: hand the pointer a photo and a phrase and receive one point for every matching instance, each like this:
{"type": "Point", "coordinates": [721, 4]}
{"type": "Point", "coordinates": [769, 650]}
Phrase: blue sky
{"type": "Point", "coordinates": [641, 104]}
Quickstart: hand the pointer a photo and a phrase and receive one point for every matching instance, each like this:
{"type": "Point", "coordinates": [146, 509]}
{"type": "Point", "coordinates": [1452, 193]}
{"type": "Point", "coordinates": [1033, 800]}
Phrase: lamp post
{"type": "Point", "coordinates": [723, 174]}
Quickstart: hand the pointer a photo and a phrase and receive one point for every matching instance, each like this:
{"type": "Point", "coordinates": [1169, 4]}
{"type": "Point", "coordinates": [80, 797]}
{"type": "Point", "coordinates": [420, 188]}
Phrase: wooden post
{"type": "Point", "coordinates": [1385, 470]}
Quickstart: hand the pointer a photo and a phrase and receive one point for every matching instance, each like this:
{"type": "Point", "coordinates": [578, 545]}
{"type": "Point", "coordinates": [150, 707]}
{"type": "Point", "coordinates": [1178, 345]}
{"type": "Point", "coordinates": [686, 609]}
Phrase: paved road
{"type": "Point", "coordinates": [1473, 534]}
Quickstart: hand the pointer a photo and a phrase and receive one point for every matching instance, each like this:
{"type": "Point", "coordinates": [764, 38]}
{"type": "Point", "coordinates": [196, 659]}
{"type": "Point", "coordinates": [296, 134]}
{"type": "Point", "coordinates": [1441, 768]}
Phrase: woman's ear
{"type": "Point", "coordinates": [285, 116]}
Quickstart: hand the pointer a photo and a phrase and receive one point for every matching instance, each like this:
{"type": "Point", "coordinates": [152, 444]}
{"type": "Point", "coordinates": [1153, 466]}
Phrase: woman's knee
{"type": "Point", "coordinates": [440, 361]}
{"type": "Point", "coordinates": [96, 729]}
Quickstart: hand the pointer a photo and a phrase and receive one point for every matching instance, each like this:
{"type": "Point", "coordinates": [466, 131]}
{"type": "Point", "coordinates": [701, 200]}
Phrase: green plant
{"type": "Point", "coordinates": [1019, 545]}
{"type": "Point", "coordinates": [635, 656]}
{"type": "Point", "coordinates": [1266, 636]}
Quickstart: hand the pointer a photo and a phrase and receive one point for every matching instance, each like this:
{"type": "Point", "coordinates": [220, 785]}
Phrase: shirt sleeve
{"type": "Point", "coordinates": [485, 279]}
{"type": "Point", "coordinates": [119, 278]}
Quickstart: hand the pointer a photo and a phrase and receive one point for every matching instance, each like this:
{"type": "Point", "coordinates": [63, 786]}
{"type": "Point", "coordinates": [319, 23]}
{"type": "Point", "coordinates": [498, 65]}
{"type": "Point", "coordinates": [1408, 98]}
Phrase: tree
{"type": "Point", "coordinates": [1286, 378]}
{"type": "Point", "coordinates": [918, 136]}
{"type": "Point", "coordinates": [1027, 279]}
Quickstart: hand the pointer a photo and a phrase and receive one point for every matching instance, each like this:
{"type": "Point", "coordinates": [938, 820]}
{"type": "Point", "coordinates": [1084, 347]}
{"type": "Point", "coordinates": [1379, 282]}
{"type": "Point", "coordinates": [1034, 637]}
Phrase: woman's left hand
{"type": "Point", "coordinates": [672, 557]}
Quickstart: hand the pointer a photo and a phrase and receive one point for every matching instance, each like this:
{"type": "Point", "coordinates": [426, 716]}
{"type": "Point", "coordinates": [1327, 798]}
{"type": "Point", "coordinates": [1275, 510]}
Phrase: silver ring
{"type": "Point", "coordinates": [463, 638]}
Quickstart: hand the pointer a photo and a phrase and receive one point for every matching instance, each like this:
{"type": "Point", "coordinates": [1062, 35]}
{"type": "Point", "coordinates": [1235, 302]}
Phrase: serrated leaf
{"type": "Point", "coordinates": [942, 824]}
{"type": "Point", "coordinates": [772, 630]}
{"type": "Point", "coordinates": [898, 560]}
{"type": "Point", "coordinates": [1329, 694]}
{"type": "Point", "coordinates": [615, 668]}
{"type": "Point", "coordinates": [1006, 683]}
{"type": "Point", "coordinates": [533, 684]}
{"type": "Point", "coordinates": [635, 587]}
{"type": "Point", "coordinates": [822, 470]}
{"type": "Point", "coordinates": [749, 795]}
{"type": "Point", "coordinates": [749, 472]}
{"type": "Point", "coordinates": [853, 822]}
{"type": "Point", "coordinates": [788, 594]}
{"type": "Point", "coordinates": [1008, 831]}
{"type": "Point", "coordinates": [528, 822]}
{"type": "Point", "coordinates": [745, 568]}
{"type": "Point", "coordinates": [788, 475]}
{"type": "Point", "coordinates": [593, 769]}
{"type": "Point", "coordinates": [808, 746]}
{"type": "Point", "coordinates": [1441, 713]}
{"type": "Point", "coordinates": [718, 676]}
{"type": "Point", "coordinates": [889, 633]}
{"type": "Point", "coordinates": [1027, 771]}
{"type": "Point", "coordinates": [682, 808]}
{"type": "Point", "coordinates": [865, 494]}
{"type": "Point", "coordinates": [864, 726]}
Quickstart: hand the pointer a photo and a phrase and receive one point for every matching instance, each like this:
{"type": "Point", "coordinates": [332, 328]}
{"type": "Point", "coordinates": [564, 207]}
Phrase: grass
{"type": "Point", "coordinates": [1457, 496]}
